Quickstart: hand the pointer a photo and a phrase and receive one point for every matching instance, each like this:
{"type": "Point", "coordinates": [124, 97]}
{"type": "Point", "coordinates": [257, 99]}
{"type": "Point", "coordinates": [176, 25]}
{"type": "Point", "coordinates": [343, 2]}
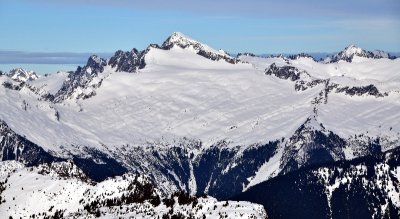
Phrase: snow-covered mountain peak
{"type": "Point", "coordinates": [22, 75]}
{"type": "Point", "coordinates": [178, 36]}
{"type": "Point", "coordinates": [349, 52]}
{"type": "Point", "coordinates": [352, 51]}
{"type": "Point", "coordinates": [181, 40]}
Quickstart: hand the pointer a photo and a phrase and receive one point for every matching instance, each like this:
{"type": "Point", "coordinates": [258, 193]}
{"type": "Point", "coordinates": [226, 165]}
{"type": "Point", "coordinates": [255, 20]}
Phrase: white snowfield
{"type": "Point", "coordinates": [51, 83]}
{"type": "Point", "coordinates": [180, 94]}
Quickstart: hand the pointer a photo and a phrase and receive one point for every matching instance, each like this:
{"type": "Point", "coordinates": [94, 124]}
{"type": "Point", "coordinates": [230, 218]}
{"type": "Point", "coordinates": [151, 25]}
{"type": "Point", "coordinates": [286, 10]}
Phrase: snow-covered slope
{"type": "Point", "coordinates": [195, 119]}
{"type": "Point", "coordinates": [50, 83]}
{"type": "Point", "coordinates": [180, 95]}
{"type": "Point", "coordinates": [61, 190]}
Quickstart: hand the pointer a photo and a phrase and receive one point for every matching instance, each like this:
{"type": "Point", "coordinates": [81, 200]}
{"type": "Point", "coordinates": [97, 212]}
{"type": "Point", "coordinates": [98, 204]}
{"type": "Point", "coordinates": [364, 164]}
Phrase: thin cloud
{"type": "Point", "coordinates": [368, 24]}
{"type": "Point", "coordinates": [291, 37]}
{"type": "Point", "coordinates": [255, 8]}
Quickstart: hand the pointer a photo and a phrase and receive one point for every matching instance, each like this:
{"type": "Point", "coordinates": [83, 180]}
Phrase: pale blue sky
{"type": "Point", "coordinates": [258, 26]}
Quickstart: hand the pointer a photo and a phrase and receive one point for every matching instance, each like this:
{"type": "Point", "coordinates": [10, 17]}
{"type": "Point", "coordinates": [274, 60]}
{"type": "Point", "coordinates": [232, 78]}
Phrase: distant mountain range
{"type": "Point", "coordinates": [150, 132]}
{"type": "Point", "coordinates": [17, 57]}
{"type": "Point", "coordinates": [322, 55]}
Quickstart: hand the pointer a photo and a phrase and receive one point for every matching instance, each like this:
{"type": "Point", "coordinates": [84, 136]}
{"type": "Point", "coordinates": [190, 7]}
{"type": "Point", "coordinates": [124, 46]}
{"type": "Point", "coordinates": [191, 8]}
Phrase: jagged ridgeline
{"type": "Point", "coordinates": [193, 120]}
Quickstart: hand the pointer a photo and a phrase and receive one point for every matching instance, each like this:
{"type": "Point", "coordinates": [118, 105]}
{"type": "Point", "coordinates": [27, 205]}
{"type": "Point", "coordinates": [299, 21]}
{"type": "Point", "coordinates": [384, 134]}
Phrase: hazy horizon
{"type": "Point", "coordinates": [40, 69]}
